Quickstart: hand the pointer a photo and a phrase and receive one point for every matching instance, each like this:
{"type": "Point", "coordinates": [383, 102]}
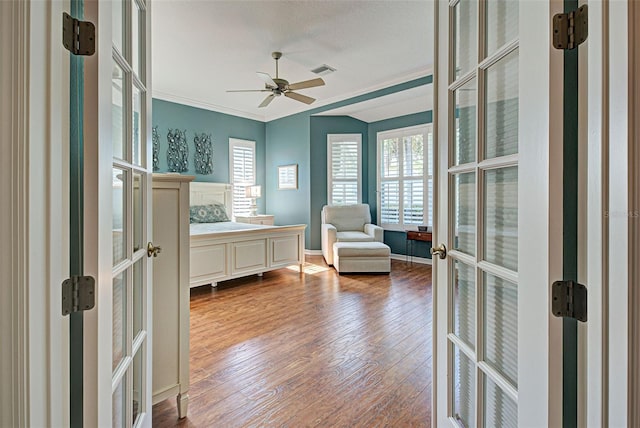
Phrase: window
{"type": "Point", "coordinates": [405, 177]}
{"type": "Point", "coordinates": [343, 169]}
{"type": "Point", "coordinates": [242, 173]}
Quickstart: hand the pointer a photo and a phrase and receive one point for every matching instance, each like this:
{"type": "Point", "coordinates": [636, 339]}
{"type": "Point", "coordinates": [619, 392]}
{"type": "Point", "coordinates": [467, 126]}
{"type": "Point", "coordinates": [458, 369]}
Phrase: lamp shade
{"type": "Point", "coordinates": [254, 191]}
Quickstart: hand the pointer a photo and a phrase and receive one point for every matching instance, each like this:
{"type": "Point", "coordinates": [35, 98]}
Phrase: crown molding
{"type": "Point", "coordinates": [423, 72]}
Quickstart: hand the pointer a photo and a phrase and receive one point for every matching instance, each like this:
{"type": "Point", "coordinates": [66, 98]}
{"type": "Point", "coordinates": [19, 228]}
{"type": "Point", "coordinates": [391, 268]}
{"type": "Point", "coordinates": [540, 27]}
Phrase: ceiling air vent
{"type": "Point", "coordinates": [323, 70]}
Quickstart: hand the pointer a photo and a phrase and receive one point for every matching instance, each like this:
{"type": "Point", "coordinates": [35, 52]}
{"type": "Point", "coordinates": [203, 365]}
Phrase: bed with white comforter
{"type": "Point", "coordinates": [226, 250]}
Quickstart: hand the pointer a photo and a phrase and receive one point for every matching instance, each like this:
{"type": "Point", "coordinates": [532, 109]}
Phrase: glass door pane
{"type": "Point", "coordinates": [464, 296]}
{"type": "Point", "coordinates": [118, 120]}
{"type": "Point", "coordinates": [119, 319]}
{"type": "Point", "coordinates": [137, 393]}
{"type": "Point", "coordinates": [501, 217]}
{"type": "Point", "coordinates": [502, 23]}
{"type": "Point", "coordinates": [119, 215]}
{"type": "Point", "coordinates": [465, 132]}
{"type": "Point", "coordinates": [483, 173]}
{"type": "Point", "coordinates": [119, 405]}
{"type": "Point", "coordinates": [500, 411]}
{"type": "Point", "coordinates": [464, 406]}
{"type": "Point", "coordinates": [466, 36]}
{"type": "Point", "coordinates": [501, 326]}
{"type": "Point", "coordinates": [465, 213]}
{"type": "Point", "coordinates": [138, 124]}
{"type": "Point", "coordinates": [501, 107]}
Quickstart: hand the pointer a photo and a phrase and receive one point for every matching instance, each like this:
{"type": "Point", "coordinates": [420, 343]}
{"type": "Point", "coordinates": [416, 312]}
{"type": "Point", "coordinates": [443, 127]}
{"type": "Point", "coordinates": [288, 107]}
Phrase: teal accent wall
{"type": "Point", "coordinates": [320, 127]}
{"type": "Point", "coordinates": [168, 115]}
{"type": "Point", "coordinates": [297, 139]}
{"type": "Point", "coordinates": [288, 143]}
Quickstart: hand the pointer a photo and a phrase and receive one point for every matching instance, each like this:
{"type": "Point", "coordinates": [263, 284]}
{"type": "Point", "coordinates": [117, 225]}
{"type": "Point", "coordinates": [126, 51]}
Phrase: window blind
{"type": "Point", "coordinates": [242, 174]}
{"type": "Point", "coordinates": [344, 168]}
{"type": "Point", "coordinates": [405, 179]}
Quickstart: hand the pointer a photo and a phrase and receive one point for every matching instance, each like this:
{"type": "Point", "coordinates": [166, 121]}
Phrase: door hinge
{"type": "Point", "coordinates": [78, 37]}
{"type": "Point", "coordinates": [569, 299]}
{"type": "Point", "coordinates": [78, 294]}
{"type": "Point", "coordinates": [570, 29]}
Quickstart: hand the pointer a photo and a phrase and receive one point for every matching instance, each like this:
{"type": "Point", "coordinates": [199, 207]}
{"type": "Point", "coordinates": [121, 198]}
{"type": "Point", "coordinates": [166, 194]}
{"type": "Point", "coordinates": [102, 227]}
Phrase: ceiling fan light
{"type": "Point", "coordinates": [323, 70]}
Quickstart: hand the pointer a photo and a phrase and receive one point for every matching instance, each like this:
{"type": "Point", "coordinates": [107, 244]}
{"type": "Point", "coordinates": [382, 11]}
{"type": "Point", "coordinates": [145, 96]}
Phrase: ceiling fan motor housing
{"type": "Point", "coordinates": [282, 85]}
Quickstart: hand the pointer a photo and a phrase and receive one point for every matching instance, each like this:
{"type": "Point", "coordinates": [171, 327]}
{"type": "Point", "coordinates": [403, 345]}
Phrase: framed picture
{"type": "Point", "coordinates": [288, 176]}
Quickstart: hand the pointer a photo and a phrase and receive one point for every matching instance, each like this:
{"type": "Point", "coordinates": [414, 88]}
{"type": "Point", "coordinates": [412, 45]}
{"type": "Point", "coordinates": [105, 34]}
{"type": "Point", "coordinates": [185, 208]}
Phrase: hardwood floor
{"type": "Point", "coordinates": [317, 349]}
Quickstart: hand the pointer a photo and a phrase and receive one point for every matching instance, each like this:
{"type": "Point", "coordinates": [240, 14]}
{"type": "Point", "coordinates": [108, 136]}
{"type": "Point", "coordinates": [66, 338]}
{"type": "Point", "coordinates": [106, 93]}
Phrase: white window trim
{"type": "Point", "coordinates": [236, 142]}
{"type": "Point", "coordinates": [339, 138]}
{"type": "Point", "coordinates": [425, 129]}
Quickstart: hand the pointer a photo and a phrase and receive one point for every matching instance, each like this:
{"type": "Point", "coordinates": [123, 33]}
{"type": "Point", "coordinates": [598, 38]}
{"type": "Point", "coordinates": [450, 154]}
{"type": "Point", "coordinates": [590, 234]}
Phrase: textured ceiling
{"type": "Point", "coordinates": [200, 49]}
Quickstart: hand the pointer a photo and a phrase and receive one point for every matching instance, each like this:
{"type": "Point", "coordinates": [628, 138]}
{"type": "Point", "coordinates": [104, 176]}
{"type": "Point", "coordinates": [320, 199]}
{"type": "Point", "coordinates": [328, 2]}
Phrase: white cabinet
{"type": "Point", "coordinates": [265, 219]}
{"type": "Point", "coordinates": [171, 289]}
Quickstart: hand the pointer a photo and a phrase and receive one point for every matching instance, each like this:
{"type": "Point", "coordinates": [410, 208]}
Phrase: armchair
{"type": "Point", "coordinates": [347, 223]}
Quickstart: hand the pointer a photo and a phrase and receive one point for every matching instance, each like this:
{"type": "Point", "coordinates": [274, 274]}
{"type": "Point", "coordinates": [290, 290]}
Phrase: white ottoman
{"type": "Point", "coordinates": [361, 257]}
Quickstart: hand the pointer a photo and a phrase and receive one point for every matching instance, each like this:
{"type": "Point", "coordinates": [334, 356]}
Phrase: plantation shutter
{"type": "Point", "coordinates": [242, 174]}
{"type": "Point", "coordinates": [406, 182]}
{"type": "Point", "coordinates": [344, 169]}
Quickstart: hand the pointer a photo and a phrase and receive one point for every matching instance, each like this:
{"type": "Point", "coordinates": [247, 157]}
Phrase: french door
{"type": "Point", "coordinates": [118, 118]}
{"type": "Point", "coordinates": [498, 349]}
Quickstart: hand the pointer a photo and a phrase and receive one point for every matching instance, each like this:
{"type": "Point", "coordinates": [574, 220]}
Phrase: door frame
{"type": "Point", "coordinates": [35, 173]}
{"type": "Point", "coordinates": [540, 202]}
{"type": "Point", "coordinates": [634, 167]}
{"type": "Point", "coordinates": [614, 231]}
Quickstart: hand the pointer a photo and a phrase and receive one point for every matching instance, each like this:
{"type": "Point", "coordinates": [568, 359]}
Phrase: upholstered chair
{"type": "Point", "coordinates": [347, 223]}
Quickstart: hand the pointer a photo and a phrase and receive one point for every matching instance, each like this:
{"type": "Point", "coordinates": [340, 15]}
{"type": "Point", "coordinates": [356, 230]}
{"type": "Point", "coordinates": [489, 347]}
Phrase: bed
{"type": "Point", "coordinates": [226, 250]}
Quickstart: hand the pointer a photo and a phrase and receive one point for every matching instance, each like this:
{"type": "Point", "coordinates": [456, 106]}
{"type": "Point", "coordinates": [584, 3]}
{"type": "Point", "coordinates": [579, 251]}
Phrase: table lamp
{"type": "Point", "coordinates": [253, 192]}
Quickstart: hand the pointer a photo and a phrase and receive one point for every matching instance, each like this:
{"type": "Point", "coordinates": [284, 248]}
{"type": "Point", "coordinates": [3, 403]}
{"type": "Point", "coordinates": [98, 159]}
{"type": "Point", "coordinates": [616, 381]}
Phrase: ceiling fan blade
{"type": "Point", "coordinates": [307, 84]}
{"type": "Point", "coordinates": [299, 97]}
{"type": "Point", "coordinates": [250, 90]}
{"type": "Point", "coordinates": [267, 79]}
{"type": "Point", "coordinates": [267, 100]}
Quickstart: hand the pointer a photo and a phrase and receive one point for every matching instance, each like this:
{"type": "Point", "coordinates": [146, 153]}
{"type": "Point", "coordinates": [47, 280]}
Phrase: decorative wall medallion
{"type": "Point", "coordinates": [178, 151]}
{"type": "Point", "coordinates": [203, 157]}
{"type": "Point", "coordinates": [156, 148]}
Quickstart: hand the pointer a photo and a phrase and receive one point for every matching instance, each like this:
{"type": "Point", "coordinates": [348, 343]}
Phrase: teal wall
{"type": "Point", "coordinates": [288, 143]}
{"type": "Point", "coordinates": [297, 139]}
{"type": "Point", "coordinates": [168, 115]}
{"type": "Point", "coordinates": [320, 127]}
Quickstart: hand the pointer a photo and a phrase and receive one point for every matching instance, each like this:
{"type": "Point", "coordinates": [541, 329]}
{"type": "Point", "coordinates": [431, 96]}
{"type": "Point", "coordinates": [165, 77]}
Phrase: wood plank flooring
{"type": "Point", "coordinates": [318, 349]}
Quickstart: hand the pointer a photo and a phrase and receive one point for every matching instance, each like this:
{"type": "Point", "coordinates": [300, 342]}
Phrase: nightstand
{"type": "Point", "coordinates": [265, 219]}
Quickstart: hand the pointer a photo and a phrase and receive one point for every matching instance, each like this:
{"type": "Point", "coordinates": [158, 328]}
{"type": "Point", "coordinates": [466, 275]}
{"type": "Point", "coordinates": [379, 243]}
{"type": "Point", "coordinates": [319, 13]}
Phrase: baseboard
{"type": "Point", "coordinates": [402, 257]}
{"type": "Point", "coordinates": [414, 259]}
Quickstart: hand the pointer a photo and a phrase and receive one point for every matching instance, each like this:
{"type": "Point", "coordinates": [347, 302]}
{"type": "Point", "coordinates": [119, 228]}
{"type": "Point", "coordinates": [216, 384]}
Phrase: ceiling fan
{"type": "Point", "coordinates": [279, 86]}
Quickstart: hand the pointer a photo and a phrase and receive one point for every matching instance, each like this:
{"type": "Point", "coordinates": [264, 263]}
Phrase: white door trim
{"type": "Point", "coordinates": [634, 256]}
{"type": "Point", "coordinates": [597, 203]}
{"type": "Point", "coordinates": [619, 220]}
{"type": "Point", "coordinates": [435, 413]}
{"type": "Point", "coordinates": [34, 246]}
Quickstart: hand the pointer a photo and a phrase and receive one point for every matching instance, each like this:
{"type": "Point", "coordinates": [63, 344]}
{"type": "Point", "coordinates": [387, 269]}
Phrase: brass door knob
{"type": "Point", "coordinates": [153, 250]}
{"type": "Point", "coordinates": [440, 250]}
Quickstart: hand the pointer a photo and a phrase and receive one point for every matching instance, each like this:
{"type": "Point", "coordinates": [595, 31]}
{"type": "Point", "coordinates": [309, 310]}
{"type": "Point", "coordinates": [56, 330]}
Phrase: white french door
{"type": "Point", "coordinates": [118, 336]}
{"type": "Point", "coordinates": [497, 210]}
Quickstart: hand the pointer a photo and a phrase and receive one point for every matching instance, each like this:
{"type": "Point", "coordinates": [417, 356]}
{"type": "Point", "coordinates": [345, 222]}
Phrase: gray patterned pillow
{"type": "Point", "coordinates": [213, 213]}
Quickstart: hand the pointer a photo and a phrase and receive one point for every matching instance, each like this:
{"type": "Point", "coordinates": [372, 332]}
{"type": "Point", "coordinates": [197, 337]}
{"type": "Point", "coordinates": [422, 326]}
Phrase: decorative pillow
{"type": "Point", "coordinates": [213, 213]}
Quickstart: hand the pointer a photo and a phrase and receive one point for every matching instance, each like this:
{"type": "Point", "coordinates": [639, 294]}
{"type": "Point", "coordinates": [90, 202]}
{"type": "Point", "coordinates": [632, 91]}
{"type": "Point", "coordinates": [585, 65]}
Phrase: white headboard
{"type": "Point", "coordinates": [212, 193]}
